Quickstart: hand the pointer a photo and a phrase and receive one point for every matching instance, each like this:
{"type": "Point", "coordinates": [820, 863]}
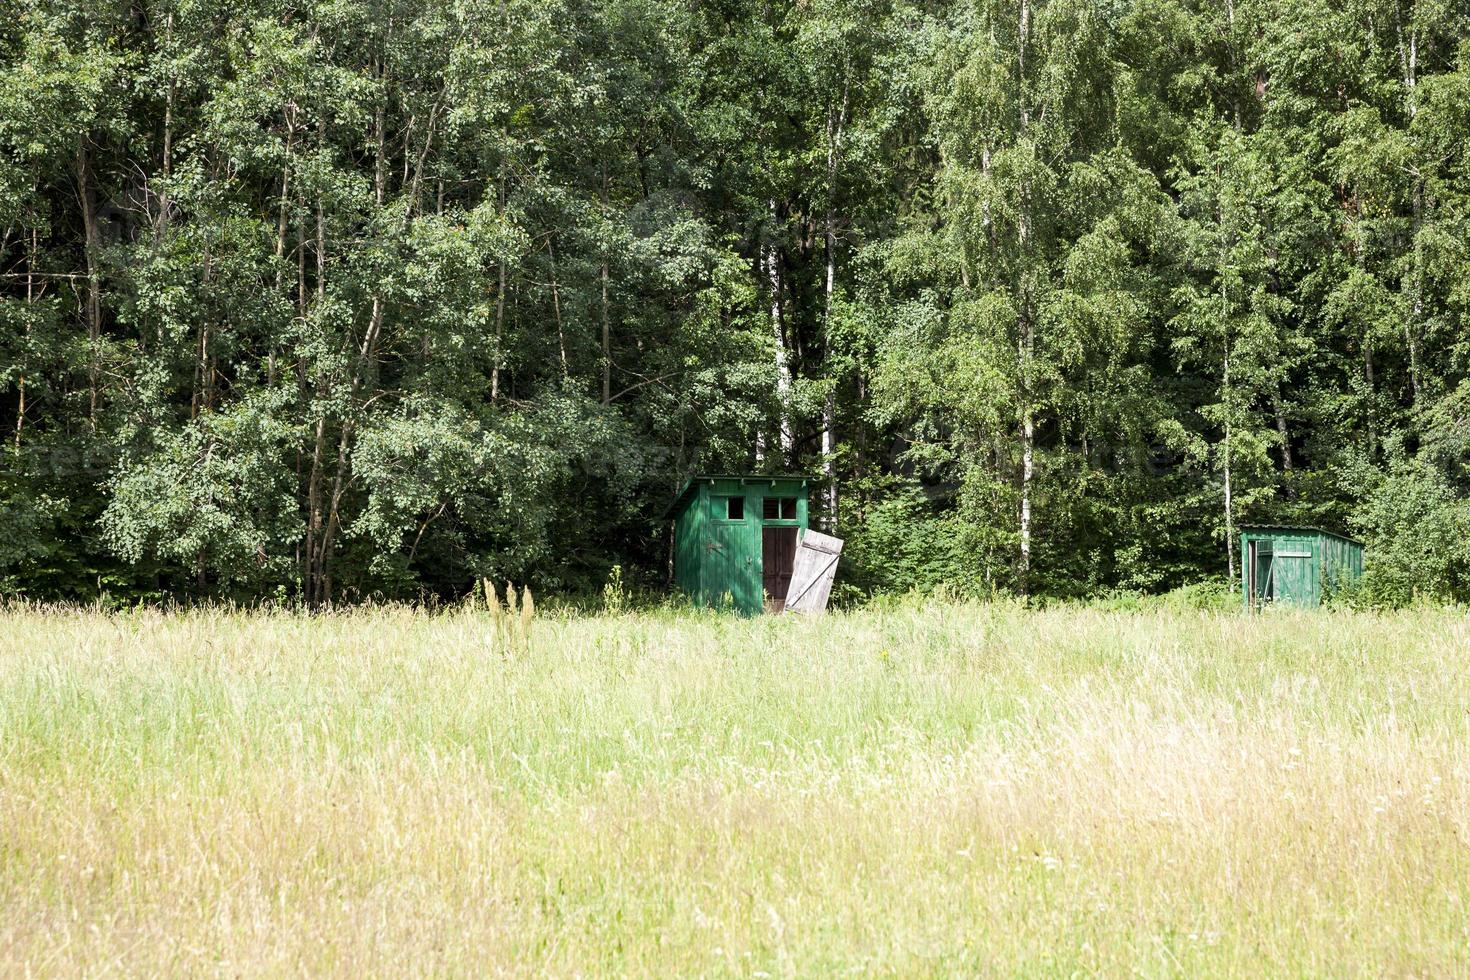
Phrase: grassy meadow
{"type": "Point", "coordinates": [921, 790]}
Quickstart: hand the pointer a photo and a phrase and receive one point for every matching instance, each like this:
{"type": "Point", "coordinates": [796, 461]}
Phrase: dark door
{"type": "Point", "coordinates": [1252, 595]}
{"type": "Point", "coordinates": [778, 554]}
{"type": "Point", "coordinates": [1262, 574]}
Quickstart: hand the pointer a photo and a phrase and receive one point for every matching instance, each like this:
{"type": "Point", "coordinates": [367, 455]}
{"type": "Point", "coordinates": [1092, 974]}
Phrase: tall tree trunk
{"type": "Point", "coordinates": [314, 511]}
{"type": "Point", "coordinates": [1408, 62]}
{"type": "Point", "coordinates": [778, 334]}
{"type": "Point", "coordinates": [368, 351]}
{"type": "Point", "coordinates": [20, 404]}
{"type": "Point", "coordinates": [317, 556]}
{"type": "Point", "coordinates": [606, 319]}
{"type": "Point", "coordinates": [168, 138]}
{"type": "Point", "coordinates": [282, 215]}
{"type": "Point", "coordinates": [829, 403]}
{"type": "Point", "coordinates": [1409, 65]}
{"type": "Point", "coordinates": [1026, 326]}
{"type": "Point", "coordinates": [301, 245]}
{"type": "Point", "coordinates": [1023, 39]}
{"type": "Point", "coordinates": [1416, 305]}
{"type": "Point", "coordinates": [203, 379]}
{"type": "Point", "coordinates": [20, 407]}
{"type": "Point", "coordinates": [334, 506]}
{"type": "Point", "coordinates": [1238, 117]}
{"type": "Point", "coordinates": [1359, 247]}
{"type": "Point", "coordinates": [499, 302]}
{"type": "Point", "coordinates": [561, 334]}
{"type": "Point", "coordinates": [606, 338]}
{"type": "Point", "coordinates": [1411, 337]}
{"type": "Point", "coordinates": [499, 329]}
{"type": "Point", "coordinates": [93, 246]}
{"type": "Point", "coordinates": [284, 209]}
{"type": "Point", "coordinates": [1025, 354]}
{"type": "Point", "coordinates": [836, 123]}
{"type": "Point", "coordinates": [321, 253]}
{"type": "Point", "coordinates": [1227, 392]}
{"type": "Point", "coordinates": [1227, 447]}
{"type": "Point", "coordinates": [829, 451]}
{"type": "Point", "coordinates": [1282, 432]}
{"type": "Point", "coordinates": [362, 371]}
{"type": "Point", "coordinates": [1229, 513]}
{"type": "Point", "coordinates": [423, 155]}
{"type": "Point", "coordinates": [304, 398]}
{"type": "Point", "coordinates": [1028, 473]}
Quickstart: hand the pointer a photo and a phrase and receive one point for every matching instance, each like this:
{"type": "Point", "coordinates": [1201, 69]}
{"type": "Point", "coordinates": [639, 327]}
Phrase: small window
{"type": "Point", "coordinates": [778, 509]}
{"type": "Point", "coordinates": [734, 509]}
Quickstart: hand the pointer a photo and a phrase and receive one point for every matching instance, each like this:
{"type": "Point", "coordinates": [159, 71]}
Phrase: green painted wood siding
{"type": "Point", "coordinates": [718, 561]}
{"type": "Point", "coordinates": [1342, 562]}
{"type": "Point", "coordinates": [1295, 566]}
{"type": "Point", "coordinates": [731, 560]}
{"type": "Point", "coordinates": [688, 534]}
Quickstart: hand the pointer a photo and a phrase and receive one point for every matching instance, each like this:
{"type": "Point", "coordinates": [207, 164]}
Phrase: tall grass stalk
{"type": "Point", "coordinates": [918, 790]}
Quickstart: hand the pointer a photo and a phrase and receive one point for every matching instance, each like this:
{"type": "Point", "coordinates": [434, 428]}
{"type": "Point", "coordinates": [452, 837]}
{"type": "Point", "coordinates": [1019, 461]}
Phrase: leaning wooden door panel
{"type": "Point", "coordinates": [813, 572]}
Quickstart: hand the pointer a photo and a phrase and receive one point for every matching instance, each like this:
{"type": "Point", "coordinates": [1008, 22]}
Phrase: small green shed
{"type": "Point", "coordinates": [736, 536]}
{"type": "Point", "coordinates": [1295, 565]}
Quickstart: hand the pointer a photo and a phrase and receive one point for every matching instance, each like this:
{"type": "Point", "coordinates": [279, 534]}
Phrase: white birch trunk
{"type": "Point", "coordinates": [783, 366]}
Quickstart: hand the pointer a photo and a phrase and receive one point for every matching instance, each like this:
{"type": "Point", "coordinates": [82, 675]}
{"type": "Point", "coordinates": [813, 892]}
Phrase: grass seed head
{"type": "Point", "coordinates": [492, 601]}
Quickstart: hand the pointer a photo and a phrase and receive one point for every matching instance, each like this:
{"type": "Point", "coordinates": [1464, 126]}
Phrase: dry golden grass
{"type": "Point", "coordinates": [929, 790]}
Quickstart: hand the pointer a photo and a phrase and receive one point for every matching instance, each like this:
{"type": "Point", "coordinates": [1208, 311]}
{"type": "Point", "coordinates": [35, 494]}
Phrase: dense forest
{"type": "Point", "coordinates": [322, 300]}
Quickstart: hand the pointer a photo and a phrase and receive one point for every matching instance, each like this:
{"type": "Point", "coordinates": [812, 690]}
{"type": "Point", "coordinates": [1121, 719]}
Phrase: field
{"type": "Point", "coordinates": [925, 789]}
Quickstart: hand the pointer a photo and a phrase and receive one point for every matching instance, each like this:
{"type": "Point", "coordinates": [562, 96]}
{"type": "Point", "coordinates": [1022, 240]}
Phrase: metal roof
{"type": "Point", "coordinates": [1299, 528]}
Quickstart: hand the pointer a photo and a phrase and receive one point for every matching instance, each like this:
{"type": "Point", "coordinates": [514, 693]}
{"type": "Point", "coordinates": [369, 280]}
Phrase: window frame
{"type": "Point", "coordinates": [781, 502]}
{"type": "Point", "coordinates": [723, 514]}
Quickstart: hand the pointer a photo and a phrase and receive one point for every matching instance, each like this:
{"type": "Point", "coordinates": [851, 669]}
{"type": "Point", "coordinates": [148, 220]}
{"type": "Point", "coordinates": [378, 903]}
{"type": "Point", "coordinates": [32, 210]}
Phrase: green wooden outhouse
{"type": "Point", "coordinates": [1295, 565]}
{"type": "Point", "coordinates": [735, 539]}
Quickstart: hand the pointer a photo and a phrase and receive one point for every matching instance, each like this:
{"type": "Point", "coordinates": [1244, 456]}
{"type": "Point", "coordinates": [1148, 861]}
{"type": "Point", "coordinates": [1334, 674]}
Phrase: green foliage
{"type": "Point", "coordinates": [906, 543]}
{"type": "Point", "coordinates": [350, 300]}
{"type": "Point", "coordinates": [1210, 596]}
{"type": "Point", "coordinates": [214, 496]}
{"type": "Point", "coordinates": [1416, 525]}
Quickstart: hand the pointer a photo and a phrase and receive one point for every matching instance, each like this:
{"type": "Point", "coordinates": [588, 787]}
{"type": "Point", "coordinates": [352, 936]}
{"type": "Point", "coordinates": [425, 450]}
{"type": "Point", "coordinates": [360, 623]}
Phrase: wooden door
{"type": "Point", "coordinates": [1293, 573]}
{"type": "Point", "coordinates": [778, 556]}
{"type": "Point", "coordinates": [730, 572]}
{"type": "Point", "coordinates": [816, 567]}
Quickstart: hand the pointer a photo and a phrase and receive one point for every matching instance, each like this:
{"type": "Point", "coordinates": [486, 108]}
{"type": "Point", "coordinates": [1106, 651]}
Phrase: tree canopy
{"type": "Point", "coordinates": [335, 299]}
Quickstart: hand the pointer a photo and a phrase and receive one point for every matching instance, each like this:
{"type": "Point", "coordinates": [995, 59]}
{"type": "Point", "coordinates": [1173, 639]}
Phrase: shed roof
{"type": "Point", "coordinates": [690, 484]}
{"type": "Point", "coordinates": [1299, 528]}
